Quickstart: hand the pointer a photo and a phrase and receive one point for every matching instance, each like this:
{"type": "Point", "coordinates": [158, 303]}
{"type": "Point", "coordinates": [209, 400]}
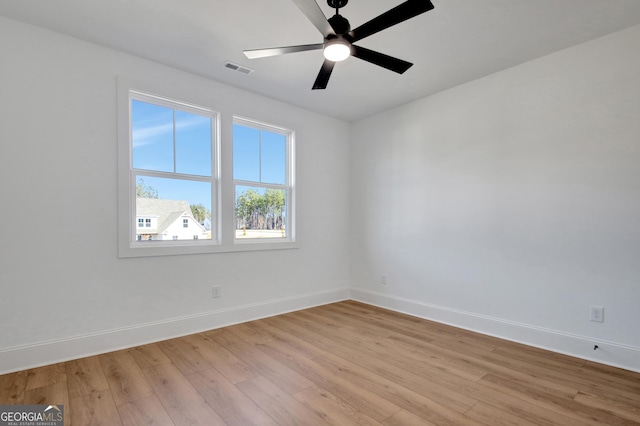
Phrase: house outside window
{"type": "Point", "coordinates": [185, 223]}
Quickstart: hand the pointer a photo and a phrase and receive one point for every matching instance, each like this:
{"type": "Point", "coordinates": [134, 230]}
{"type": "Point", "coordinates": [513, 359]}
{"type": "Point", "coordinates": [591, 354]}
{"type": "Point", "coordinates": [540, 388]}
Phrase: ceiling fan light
{"type": "Point", "coordinates": [337, 50]}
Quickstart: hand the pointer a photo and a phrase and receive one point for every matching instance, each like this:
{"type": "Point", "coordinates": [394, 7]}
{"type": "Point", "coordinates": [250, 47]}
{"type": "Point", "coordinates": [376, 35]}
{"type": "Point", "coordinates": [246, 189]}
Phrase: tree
{"type": "Point", "coordinates": [260, 211]}
{"type": "Point", "coordinates": [144, 191]}
{"type": "Point", "coordinates": [200, 212]}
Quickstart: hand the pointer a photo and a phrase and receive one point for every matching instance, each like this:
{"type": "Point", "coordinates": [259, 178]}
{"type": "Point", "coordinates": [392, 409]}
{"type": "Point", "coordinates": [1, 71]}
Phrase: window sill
{"type": "Point", "coordinates": [142, 250]}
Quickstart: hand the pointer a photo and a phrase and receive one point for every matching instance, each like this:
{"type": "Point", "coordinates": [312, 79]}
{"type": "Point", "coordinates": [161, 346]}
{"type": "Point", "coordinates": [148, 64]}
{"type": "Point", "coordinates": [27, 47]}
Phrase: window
{"type": "Point", "coordinates": [262, 178]}
{"type": "Point", "coordinates": [172, 164]}
{"type": "Point", "coordinates": [171, 198]}
{"type": "Point", "coordinates": [172, 170]}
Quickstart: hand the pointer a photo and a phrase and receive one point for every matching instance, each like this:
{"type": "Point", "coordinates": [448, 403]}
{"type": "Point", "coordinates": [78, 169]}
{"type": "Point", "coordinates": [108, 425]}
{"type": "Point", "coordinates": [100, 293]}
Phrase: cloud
{"type": "Point", "coordinates": [146, 135]}
{"type": "Point", "coordinates": [145, 132]}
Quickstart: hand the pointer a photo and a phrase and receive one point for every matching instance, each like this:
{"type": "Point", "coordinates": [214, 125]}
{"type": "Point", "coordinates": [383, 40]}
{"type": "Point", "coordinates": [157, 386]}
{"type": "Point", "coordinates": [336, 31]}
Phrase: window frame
{"type": "Point", "coordinates": [223, 198]}
{"type": "Point", "coordinates": [287, 187]}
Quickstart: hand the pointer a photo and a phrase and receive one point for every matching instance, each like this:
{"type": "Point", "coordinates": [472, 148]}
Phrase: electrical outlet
{"type": "Point", "coordinates": [596, 314]}
{"type": "Point", "coordinates": [215, 291]}
{"type": "Point", "coordinates": [383, 279]}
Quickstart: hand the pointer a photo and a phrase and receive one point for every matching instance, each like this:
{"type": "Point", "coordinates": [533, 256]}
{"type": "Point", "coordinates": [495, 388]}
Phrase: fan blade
{"type": "Point", "coordinates": [275, 51]}
{"type": "Point", "coordinates": [313, 13]}
{"type": "Point", "coordinates": [400, 13]}
{"type": "Point", "coordinates": [380, 59]}
{"type": "Point", "coordinates": [323, 75]}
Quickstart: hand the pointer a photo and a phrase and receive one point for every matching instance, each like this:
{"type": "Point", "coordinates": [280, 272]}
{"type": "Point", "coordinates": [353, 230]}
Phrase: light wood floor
{"type": "Point", "coordinates": [341, 364]}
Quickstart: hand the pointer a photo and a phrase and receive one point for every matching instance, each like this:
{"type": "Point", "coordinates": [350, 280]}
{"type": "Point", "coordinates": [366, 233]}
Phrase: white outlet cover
{"type": "Point", "coordinates": [216, 291]}
{"type": "Point", "coordinates": [596, 314]}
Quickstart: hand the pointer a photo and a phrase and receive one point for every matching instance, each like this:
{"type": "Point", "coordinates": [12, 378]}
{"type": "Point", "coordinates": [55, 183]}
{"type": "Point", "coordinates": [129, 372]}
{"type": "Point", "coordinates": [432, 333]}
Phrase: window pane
{"type": "Point", "coordinates": [152, 136]}
{"type": "Point", "coordinates": [260, 212]}
{"type": "Point", "coordinates": [193, 144]}
{"type": "Point", "coordinates": [246, 153]}
{"type": "Point", "coordinates": [173, 208]}
{"type": "Point", "coordinates": [273, 158]}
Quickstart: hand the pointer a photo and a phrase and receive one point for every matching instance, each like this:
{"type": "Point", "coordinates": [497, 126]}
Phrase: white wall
{"type": "Point", "coordinates": [511, 204]}
{"type": "Point", "coordinates": [64, 292]}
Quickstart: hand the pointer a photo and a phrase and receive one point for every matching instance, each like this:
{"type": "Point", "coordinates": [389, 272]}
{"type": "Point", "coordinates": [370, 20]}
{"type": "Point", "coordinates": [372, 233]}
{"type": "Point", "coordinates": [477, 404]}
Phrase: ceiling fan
{"type": "Point", "coordinates": [339, 37]}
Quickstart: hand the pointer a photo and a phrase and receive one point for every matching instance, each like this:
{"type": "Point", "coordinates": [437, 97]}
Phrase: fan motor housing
{"type": "Point", "coordinates": [340, 24]}
{"type": "Point", "coordinates": [336, 4]}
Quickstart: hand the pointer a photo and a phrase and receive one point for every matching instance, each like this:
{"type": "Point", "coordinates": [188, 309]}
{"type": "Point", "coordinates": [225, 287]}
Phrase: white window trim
{"type": "Point", "coordinates": [223, 208]}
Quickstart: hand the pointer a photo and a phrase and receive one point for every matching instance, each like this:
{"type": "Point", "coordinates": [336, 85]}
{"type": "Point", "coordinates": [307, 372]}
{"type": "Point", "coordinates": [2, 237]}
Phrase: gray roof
{"type": "Point", "coordinates": [166, 210]}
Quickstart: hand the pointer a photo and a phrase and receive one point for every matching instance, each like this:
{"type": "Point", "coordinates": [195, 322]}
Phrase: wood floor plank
{"type": "Point", "coordinates": [149, 356]}
{"type": "Point", "coordinates": [12, 388]}
{"type": "Point", "coordinates": [125, 379]}
{"type": "Point", "coordinates": [405, 418]}
{"type": "Point", "coordinates": [55, 394]}
{"type": "Point", "coordinates": [481, 359]}
{"type": "Point", "coordinates": [276, 327]}
{"type": "Point", "coordinates": [390, 365]}
{"type": "Point", "coordinates": [611, 373]}
{"type": "Point", "coordinates": [383, 387]}
{"type": "Point", "coordinates": [571, 370]}
{"type": "Point", "coordinates": [85, 376]}
{"type": "Point", "coordinates": [231, 404]}
{"type": "Point", "coordinates": [232, 367]}
{"type": "Point", "coordinates": [478, 359]}
{"type": "Point", "coordinates": [570, 375]}
{"type": "Point", "coordinates": [572, 412]}
{"type": "Point", "coordinates": [500, 398]}
{"type": "Point", "coordinates": [412, 326]}
{"type": "Point", "coordinates": [630, 399]}
{"type": "Point", "coordinates": [532, 353]}
{"type": "Point", "coordinates": [96, 409]}
{"type": "Point", "coordinates": [457, 342]}
{"type": "Point", "coordinates": [143, 412]}
{"type": "Point", "coordinates": [519, 407]}
{"type": "Point", "coordinates": [493, 416]}
{"type": "Point", "coordinates": [453, 344]}
{"type": "Point", "coordinates": [617, 408]}
{"type": "Point", "coordinates": [284, 377]}
{"type": "Point", "coordinates": [280, 406]}
{"type": "Point", "coordinates": [184, 356]}
{"type": "Point", "coordinates": [345, 363]}
{"type": "Point", "coordinates": [459, 363]}
{"type": "Point", "coordinates": [44, 376]}
{"type": "Point", "coordinates": [179, 398]}
{"type": "Point", "coordinates": [361, 399]}
{"type": "Point", "coordinates": [404, 397]}
{"type": "Point", "coordinates": [404, 355]}
{"type": "Point", "coordinates": [332, 409]}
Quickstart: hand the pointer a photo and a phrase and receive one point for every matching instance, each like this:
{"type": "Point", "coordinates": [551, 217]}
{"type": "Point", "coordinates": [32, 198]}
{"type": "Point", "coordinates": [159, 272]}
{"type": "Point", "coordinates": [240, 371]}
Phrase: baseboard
{"type": "Point", "coordinates": [609, 353]}
{"type": "Point", "coordinates": [60, 350]}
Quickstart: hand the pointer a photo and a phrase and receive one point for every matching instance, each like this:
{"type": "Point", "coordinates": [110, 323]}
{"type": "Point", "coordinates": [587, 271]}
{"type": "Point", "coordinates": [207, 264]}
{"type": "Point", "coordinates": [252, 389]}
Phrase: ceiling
{"type": "Point", "coordinates": [457, 42]}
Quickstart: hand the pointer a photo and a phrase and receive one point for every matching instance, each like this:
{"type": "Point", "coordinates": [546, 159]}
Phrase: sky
{"type": "Point", "coordinates": [258, 155]}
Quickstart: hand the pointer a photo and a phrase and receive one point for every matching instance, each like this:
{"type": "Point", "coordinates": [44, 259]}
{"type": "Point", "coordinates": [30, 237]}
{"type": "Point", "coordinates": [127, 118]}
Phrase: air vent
{"type": "Point", "coordinates": [239, 68]}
